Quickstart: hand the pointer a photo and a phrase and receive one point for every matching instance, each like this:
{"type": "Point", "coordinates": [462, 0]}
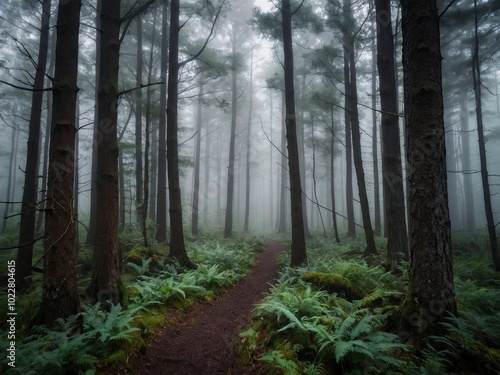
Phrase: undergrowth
{"type": "Point", "coordinates": [307, 324]}
{"type": "Point", "coordinates": [94, 339]}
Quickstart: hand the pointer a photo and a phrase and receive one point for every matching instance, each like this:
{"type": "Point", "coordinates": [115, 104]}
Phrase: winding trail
{"type": "Point", "coordinates": [203, 343]}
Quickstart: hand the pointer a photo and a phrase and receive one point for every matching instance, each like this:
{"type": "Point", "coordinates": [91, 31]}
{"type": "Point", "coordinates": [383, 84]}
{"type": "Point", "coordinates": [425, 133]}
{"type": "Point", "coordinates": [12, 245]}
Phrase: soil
{"type": "Point", "coordinates": [203, 343]}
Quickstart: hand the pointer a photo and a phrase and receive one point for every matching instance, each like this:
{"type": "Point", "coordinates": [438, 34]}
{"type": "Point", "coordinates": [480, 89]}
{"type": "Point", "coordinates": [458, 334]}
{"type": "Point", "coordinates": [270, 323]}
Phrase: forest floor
{"type": "Point", "coordinates": [204, 341]}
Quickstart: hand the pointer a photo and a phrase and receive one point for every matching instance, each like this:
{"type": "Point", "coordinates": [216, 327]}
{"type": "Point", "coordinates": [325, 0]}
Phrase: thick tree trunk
{"type": "Point", "coordinates": [299, 255]}
{"type": "Point", "coordinates": [105, 284]}
{"type": "Point", "coordinates": [431, 296]}
{"type": "Point", "coordinates": [30, 190]}
{"type": "Point", "coordinates": [177, 247]}
{"type": "Point", "coordinates": [395, 214]}
{"type": "Point", "coordinates": [161, 197]}
{"type": "Point", "coordinates": [59, 296]}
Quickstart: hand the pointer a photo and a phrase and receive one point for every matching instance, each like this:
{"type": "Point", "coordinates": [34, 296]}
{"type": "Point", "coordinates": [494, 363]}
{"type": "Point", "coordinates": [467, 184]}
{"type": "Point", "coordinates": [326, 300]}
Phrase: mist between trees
{"type": "Point", "coordinates": [257, 117]}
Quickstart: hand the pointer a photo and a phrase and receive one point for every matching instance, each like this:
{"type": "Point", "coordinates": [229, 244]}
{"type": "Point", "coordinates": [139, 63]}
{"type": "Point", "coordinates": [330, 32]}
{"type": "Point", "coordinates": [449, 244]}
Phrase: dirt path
{"type": "Point", "coordinates": [203, 343]}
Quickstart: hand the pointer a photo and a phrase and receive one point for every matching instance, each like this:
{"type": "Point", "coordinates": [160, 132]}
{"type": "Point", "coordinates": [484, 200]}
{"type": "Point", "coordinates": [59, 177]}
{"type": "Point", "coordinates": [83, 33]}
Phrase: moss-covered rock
{"type": "Point", "coordinates": [334, 283]}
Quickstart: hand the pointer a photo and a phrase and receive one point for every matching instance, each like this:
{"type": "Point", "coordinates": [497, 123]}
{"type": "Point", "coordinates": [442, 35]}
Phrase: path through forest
{"type": "Point", "coordinates": [203, 343]}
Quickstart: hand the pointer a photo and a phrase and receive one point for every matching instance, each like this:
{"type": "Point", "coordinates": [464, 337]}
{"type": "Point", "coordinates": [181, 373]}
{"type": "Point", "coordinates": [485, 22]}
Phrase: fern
{"type": "Point", "coordinates": [276, 360]}
{"type": "Point", "coordinates": [141, 269]}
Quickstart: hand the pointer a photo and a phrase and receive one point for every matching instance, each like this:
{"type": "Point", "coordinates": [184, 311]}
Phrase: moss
{"type": "Point", "coordinates": [149, 322]}
{"type": "Point", "coordinates": [117, 357]}
{"type": "Point", "coordinates": [334, 283]}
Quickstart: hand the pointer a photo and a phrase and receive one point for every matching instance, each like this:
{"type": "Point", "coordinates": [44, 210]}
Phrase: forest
{"type": "Point", "coordinates": [249, 187]}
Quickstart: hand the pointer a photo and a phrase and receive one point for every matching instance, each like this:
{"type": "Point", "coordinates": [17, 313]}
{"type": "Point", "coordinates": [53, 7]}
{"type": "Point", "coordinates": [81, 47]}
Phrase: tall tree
{"type": "Point", "coordinates": [177, 247]}
{"type": "Point", "coordinates": [299, 255]}
{"type": "Point", "coordinates": [139, 170]}
{"type": "Point", "coordinates": [351, 91]}
{"type": "Point", "coordinates": [30, 191]}
{"type": "Point", "coordinates": [476, 76]}
{"type": "Point", "coordinates": [397, 239]}
{"type": "Point", "coordinates": [228, 223]}
{"type": "Point", "coordinates": [161, 191]}
{"type": "Point", "coordinates": [197, 160]}
{"type": "Point", "coordinates": [105, 284]}
{"type": "Point", "coordinates": [431, 295]}
{"type": "Point", "coordinates": [60, 298]}
{"type": "Point", "coordinates": [249, 144]}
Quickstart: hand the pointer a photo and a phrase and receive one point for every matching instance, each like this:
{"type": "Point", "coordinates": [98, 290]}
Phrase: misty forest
{"type": "Point", "coordinates": [249, 187]}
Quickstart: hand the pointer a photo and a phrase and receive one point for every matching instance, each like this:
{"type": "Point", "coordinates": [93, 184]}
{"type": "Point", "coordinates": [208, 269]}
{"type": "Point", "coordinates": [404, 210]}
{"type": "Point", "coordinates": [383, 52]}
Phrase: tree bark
{"type": "Point", "coordinates": [299, 255]}
{"type": "Point", "coordinates": [395, 214]}
{"type": "Point", "coordinates": [106, 284]}
{"type": "Point", "coordinates": [431, 296]}
{"type": "Point", "coordinates": [59, 296]}
{"type": "Point", "coordinates": [30, 191]}
{"type": "Point", "coordinates": [161, 198]}
{"type": "Point", "coordinates": [177, 247]}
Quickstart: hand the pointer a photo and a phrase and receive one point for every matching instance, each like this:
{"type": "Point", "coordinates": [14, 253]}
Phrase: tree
{"type": "Point", "coordinates": [105, 284]}
{"type": "Point", "coordinates": [60, 298]}
{"type": "Point", "coordinates": [177, 247]}
{"type": "Point", "coordinates": [161, 191]}
{"type": "Point", "coordinates": [299, 255]}
{"type": "Point", "coordinates": [397, 240]}
{"type": "Point", "coordinates": [431, 295]}
{"type": "Point", "coordinates": [30, 191]}
{"type": "Point", "coordinates": [196, 184]}
{"type": "Point", "coordinates": [228, 223]}
{"type": "Point", "coordinates": [476, 77]}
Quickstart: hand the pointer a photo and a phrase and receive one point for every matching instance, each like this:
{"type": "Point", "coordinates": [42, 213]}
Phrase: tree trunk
{"type": "Point", "coordinates": [395, 214]}
{"type": "Point", "coordinates": [332, 183]}
{"type": "Point", "coordinates": [302, 158]}
{"type": "Point", "coordinates": [283, 178]}
{"type": "Point", "coordinates": [30, 191]}
{"type": "Point", "coordinates": [376, 182]}
{"type": "Point", "coordinates": [470, 224]}
{"type": "Point", "coordinates": [351, 223]}
{"type": "Point", "coordinates": [59, 296]}
{"type": "Point", "coordinates": [10, 180]}
{"type": "Point", "coordinates": [177, 247]}
{"type": "Point", "coordinates": [299, 255]}
{"type": "Point", "coordinates": [105, 284]}
{"type": "Point", "coordinates": [197, 157]}
{"type": "Point", "coordinates": [490, 222]}
{"type": "Point", "coordinates": [249, 135]}
{"type": "Point", "coordinates": [228, 223]}
{"type": "Point", "coordinates": [431, 296]}
{"type": "Point", "coordinates": [161, 198]}
{"type": "Point", "coordinates": [358, 162]}
{"type": "Point", "coordinates": [91, 233]}
{"type": "Point", "coordinates": [138, 127]}
{"type": "Point", "coordinates": [207, 194]}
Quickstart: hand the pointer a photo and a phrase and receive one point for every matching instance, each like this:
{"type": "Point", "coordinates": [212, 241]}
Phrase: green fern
{"type": "Point", "coordinates": [276, 360]}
